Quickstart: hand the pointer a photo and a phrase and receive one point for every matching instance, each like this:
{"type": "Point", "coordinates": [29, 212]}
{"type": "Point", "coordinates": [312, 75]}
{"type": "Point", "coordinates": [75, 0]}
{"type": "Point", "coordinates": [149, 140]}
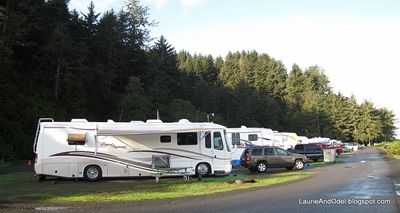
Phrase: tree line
{"type": "Point", "coordinates": [66, 64]}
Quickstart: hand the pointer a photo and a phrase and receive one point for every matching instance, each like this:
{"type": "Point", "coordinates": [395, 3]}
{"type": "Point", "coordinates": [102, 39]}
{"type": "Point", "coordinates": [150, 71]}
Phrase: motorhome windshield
{"type": "Point", "coordinates": [226, 141]}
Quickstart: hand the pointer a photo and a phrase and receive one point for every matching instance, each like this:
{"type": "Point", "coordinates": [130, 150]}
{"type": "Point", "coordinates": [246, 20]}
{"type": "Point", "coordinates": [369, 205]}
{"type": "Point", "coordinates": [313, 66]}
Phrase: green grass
{"type": "Point", "coordinates": [30, 190]}
{"type": "Point", "coordinates": [172, 189]}
{"type": "Point", "coordinates": [321, 163]}
{"type": "Point", "coordinates": [4, 164]}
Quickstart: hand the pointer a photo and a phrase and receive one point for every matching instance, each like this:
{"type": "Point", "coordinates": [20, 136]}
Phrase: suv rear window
{"type": "Point", "coordinates": [256, 152]}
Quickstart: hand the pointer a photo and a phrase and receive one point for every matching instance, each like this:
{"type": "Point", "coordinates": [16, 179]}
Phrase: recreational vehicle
{"type": "Point", "coordinates": [243, 137]}
{"type": "Point", "coordinates": [302, 139]}
{"type": "Point", "coordinates": [286, 140]}
{"type": "Point", "coordinates": [92, 150]}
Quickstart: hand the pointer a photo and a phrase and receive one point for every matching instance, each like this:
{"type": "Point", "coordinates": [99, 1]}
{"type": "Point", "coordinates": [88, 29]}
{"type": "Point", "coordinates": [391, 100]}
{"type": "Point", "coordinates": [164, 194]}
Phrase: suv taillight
{"type": "Point", "coordinates": [248, 158]}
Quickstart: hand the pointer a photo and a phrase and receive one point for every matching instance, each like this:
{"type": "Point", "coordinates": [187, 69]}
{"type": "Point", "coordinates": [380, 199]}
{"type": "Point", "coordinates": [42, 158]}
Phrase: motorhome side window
{"type": "Point", "coordinates": [208, 140]}
{"type": "Point", "coordinates": [235, 138]}
{"type": "Point", "coordinates": [187, 138]}
{"type": "Point", "coordinates": [165, 139]}
{"type": "Point", "coordinates": [253, 137]}
{"type": "Point", "coordinates": [218, 145]}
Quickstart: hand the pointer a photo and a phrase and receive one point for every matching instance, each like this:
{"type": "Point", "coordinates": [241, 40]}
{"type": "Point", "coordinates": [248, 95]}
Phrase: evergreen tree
{"type": "Point", "coordinates": [163, 73]}
{"type": "Point", "coordinates": [387, 119]}
{"type": "Point", "coordinates": [295, 86]}
{"type": "Point", "coordinates": [229, 74]}
{"type": "Point", "coordinates": [369, 126]}
{"type": "Point", "coordinates": [134, 104]}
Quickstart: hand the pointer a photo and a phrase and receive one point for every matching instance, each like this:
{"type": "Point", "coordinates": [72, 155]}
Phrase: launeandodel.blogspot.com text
{"type": "Point", "coordinates": [336, 201]}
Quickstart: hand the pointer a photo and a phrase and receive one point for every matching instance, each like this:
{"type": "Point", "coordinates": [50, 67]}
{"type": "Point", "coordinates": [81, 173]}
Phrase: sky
{"type": "Point", "coordinates": [355, 42]}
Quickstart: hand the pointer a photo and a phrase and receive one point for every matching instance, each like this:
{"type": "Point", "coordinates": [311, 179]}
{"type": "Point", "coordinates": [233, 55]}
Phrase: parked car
{"type": "Point", "coordinates": [326, 146]}
{"type": "Point", "coordinates": [338, 149]}
{"type": "Point", "coordinates": [312, 151]}
{"type": "Point", "coordinates": [346, 149]}
{"type": "Point", "coordinates": [262, 157]}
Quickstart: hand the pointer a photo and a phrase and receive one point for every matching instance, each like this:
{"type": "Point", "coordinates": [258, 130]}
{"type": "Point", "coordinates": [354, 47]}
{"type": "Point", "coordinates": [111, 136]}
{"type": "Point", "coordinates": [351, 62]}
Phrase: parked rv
{"type": "Point", "coordinates": [93, 150]}
{"type": "Point", "coordinates": [286, 140]}
{"type": "Point", "coordinates": [302, 139]}
{"type": "Point", "coordinates": [245, 137]}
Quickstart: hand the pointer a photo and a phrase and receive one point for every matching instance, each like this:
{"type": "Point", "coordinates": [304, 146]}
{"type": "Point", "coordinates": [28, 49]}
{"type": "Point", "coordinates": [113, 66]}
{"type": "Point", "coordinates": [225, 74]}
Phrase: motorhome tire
{"type": "Point", "coordinates": [42, 178]}
{"type": "Point", "coordinates": [202, 169]}
{"type": "Point", "coordinates": [92, 173]}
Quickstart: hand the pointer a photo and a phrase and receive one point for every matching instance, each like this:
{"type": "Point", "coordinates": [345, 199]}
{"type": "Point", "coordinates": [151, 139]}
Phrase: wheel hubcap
{"type": "Point", "coordinates": [203, 169]}
{"type": "Point", "coordinates": [299, 165]}
{"type": "Point", "coordinates": [262, 167]}
{"type": "Point", "coordinates": [92, 173]}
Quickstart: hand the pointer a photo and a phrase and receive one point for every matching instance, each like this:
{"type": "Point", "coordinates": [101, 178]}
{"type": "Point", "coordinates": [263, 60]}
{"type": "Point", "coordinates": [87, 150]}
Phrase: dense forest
{"type": "Point", "coordinates": [66, 64]}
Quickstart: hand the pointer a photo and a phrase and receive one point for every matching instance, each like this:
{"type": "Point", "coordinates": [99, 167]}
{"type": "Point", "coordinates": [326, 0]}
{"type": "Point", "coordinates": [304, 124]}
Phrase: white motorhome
{"type": "Point", "coordinates": [92, 150]}
{"type": "Point", "coordinates": [319, 140]}
{"type": "Point", "coordinates": [243, 137]}
{"type": "Point", "coordinates": [286, 140]}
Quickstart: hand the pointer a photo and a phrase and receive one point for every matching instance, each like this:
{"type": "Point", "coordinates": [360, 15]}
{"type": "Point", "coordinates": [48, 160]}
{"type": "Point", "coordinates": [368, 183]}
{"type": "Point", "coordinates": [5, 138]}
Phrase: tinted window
{"type": "Point", "coordinates": [189, 138]}
{"type": "Point", "coordinates": [165, 138]}
{"type": "Point", "coordinates": [269, 151]}
{"type": "Point", "coordinates": [299, 146]}
{"type": "Point", "coordinates": [208, 140]}
{"type": "Point", "coordinates": [218, 145]}
{"type": "Point", "coordinates": [253, 137]}
{"type": "Point", "coordinates": [245, 152]}
{"type": "Point", "coordinates": [317, 147]}
{"type": "Point", "coordinates": [235, 139]}
{"type": "Point", "coordinates": [281, 152]}
{"type": "Point", "coordinates": [256, 152]}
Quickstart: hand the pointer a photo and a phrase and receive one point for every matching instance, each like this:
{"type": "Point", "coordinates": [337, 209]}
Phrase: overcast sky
{"type": "Point", "coordinates": [356, 42]}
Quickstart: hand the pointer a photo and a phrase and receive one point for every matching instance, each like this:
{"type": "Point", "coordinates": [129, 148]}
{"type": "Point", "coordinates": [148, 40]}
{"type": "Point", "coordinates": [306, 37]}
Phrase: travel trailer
{"type": "Point", "coordinates": [319, 140]}
{"type": "Point", "coordinates": [286, 140]}
{"type": "Point", "coordinates": [243, 137]}
{"type": "Point", "coordinates": [302, 139]}
{"type": "Point", "coordinates": [93, 150]}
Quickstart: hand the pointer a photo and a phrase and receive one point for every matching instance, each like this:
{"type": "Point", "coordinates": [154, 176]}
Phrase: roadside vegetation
{"type": "Point", "coordinates": [392, 148]}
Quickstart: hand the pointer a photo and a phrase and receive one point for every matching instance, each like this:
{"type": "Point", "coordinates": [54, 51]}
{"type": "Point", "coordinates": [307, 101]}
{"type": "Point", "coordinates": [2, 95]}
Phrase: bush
{"type": "Point", "coordinates": [392, 148]}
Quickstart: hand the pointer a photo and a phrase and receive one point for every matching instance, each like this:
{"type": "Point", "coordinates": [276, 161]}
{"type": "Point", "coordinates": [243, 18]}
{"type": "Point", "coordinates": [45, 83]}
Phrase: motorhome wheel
{"type": "Point", "coordinates": [92, 173]}
{"type": "Point", "coordinates": [42, 178]}
{"type": "Point", "coordinates": [202, 169]}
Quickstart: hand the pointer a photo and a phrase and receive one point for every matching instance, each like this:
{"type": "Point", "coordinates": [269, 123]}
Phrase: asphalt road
{"type": "Point", "coordinates": [365, 182]}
